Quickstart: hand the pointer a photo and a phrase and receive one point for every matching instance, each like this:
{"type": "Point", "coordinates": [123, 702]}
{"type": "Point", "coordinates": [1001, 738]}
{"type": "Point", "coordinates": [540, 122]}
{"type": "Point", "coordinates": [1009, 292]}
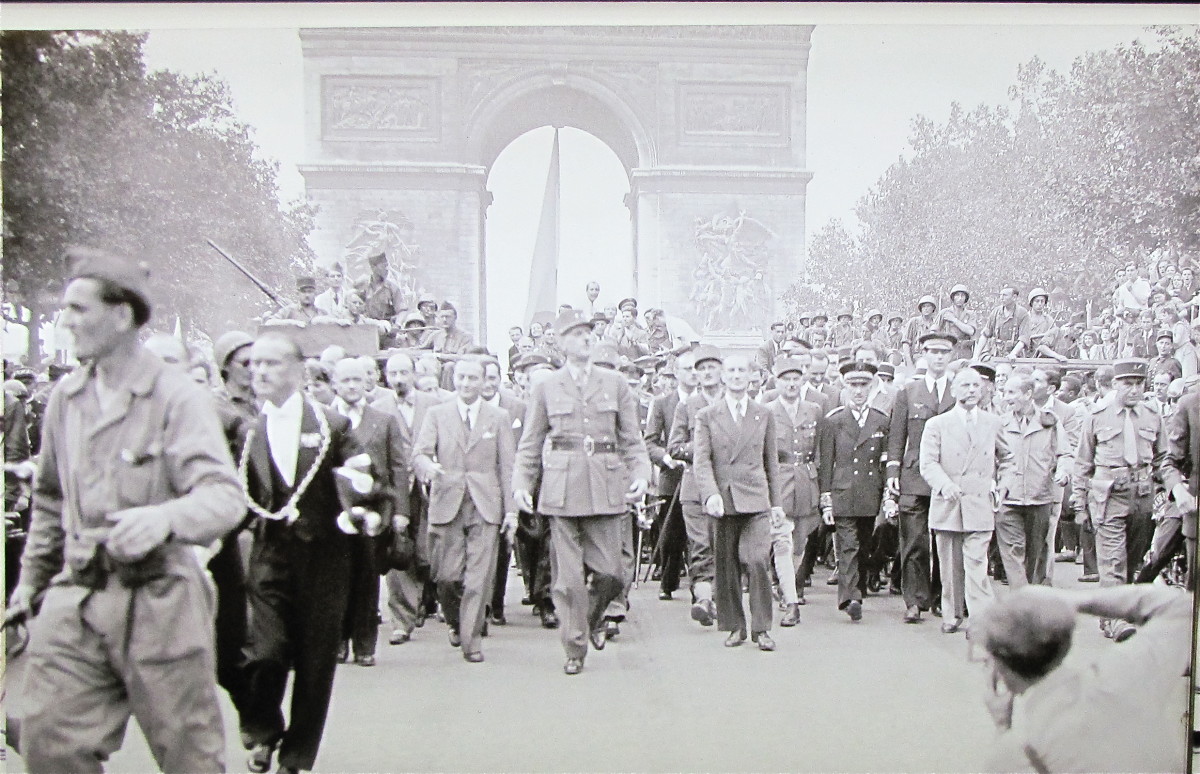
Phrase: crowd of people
{"type": "Point", "coordinates": [931, 456]}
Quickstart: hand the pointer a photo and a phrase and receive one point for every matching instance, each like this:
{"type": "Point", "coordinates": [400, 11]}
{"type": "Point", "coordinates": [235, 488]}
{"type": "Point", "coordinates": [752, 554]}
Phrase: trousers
{"type": "Point", "coordinates": [742, 540]}
{"type": "Point", "coordinates": [965, 582]}
{"type": "Point", "coordinates": [701, 566]}
{"type": "Point", "coordinates": [581, 545]}
{"type": "Point", "coordinates": [1020, 531]}
{"type": "Point", "coordinates": [463, 556]}
{"type": "Point", "coordinates": [853, 542]}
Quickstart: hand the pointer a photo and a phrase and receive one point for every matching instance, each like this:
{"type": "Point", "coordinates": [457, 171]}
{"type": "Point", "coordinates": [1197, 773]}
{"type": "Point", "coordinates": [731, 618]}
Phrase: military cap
{"type": "Point", "coordinates": [785, 365]}
{"type": "Point", "coordinates": [960, 288]}
{"type": "Point", "coordinates": [985, 370]}
{"type": "Point", "coordinates": [844, 354]}
{"type": "Point", "coordinates": [820, 316]}
{"type": "Point", "coordinates": [1130, 368]}
{"type": "Point", "coordinates": [228, 343]}
{"type": "Point", "coordinates": [895, 316]}
{"type": "Point", "coordinates": [1038, 292]}
{"type": "Point", "coordinates": [627, 303]}
{"type": "Point", "coordinates": [605, 354]}
{"type": "Point", "coordinates": [1165, 333]}
{"type": "Point", "coordinates": [25, 375]}
{"type": "Point", "coordinates": [530, 360]}
{"type": "Point", "coordinates": [888, 370]}
{"type": "Point", "coordinates": [845, 311]}
{"type": "Point", "coordinates": [377, 258]}
{"type": "Point", "coordinates": [857, 371]}
{"type": "Point", "coordinates": [805, 316]}
{"type": "Point", "coordinates": [707, 352]}
{"type": "Point", "coordinates": [927, 299]}
{"type": "Point", "coordinates": [569, 319]}
{"type": "Point", "coordinates": [132, 276]}
{"type": "Point", "coordinates": [414, 317]}
{"type": "Point", "coordinates": [600, 317]}
{"type": "Point", "coordinates": [873, 313]}
{"type": "Point", "coordinates": [950, 339]}
{"type": "Point", "coordinates": [446, 306]}
{"type": "Point", "coordinates": [306, 282]}
{"type": "Point", "coordinates": [427, 301]}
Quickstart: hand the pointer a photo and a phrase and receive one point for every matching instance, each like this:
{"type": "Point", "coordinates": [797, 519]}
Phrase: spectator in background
{"type": "Point", "coordinates": [318, 382]}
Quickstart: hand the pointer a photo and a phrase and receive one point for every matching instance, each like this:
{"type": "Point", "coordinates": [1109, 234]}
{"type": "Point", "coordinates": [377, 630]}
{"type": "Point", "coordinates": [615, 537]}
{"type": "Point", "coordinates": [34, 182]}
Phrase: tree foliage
{"type": "Point", "coordinates": [1077, 175]}
{"type": "Point", "coordinates": [99, 151]}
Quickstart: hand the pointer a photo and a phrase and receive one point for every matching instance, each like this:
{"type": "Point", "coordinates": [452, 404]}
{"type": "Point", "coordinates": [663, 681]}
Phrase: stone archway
{"type": "Point", "coordinates": [403, 124]}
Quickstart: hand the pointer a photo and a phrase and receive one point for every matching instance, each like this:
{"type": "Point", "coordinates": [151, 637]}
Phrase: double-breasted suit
{"type": "Point", "coordinates": [738, 460]}
{"type": "Point", "coordinates": [467, 501]}
{"type": "Point", "coordinates": [915, 404]}
{"type": "Point", "coordinates": [796, 443]}
{"type": "Point", "coordinates": [299, 580]}
{"type": "Point", "coordinates": [852, 472]}
{"type": "Point", "coordinates": [961, 448]}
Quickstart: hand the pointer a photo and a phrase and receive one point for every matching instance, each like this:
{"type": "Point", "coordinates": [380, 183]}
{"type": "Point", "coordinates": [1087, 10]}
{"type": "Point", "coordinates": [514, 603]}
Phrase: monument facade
{"type": "Point", "coordinates": [403, 124]}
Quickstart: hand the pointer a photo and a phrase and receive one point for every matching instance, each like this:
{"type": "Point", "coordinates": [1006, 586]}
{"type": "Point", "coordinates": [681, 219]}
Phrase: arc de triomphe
{"type": "Point", "coordinates": [403, 124]}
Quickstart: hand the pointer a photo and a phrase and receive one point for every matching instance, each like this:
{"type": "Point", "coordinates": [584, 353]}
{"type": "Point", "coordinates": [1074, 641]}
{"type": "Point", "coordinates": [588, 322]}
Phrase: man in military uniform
{"type": "Point", "coordinates": [1121, 443]}
{"type": "Point", "coordinates": [1007, 327]}
{"type": "Point", "coordinates": [853, 446]}
{"type": "Point", "coordinates": [304, 310]}
{"type": "Point", "coordinates": [842, 334]}
{"type": "Point", "coordinates": [925, 322]}
{"type": "Point", "coordinates": [133, 474]}
{"type": "Point", "coordinates": [1165, 362]}
{"type": "Point", "coordinates": [697, 523]}
{"type": "Point", "coordinates": [797, 427]}
{"type": "Point", "coordinates": [960, 322]}
{"type": "Point", "coordinates": [382, 297]}
{"type": "Point", "coordinates": [583, 442]}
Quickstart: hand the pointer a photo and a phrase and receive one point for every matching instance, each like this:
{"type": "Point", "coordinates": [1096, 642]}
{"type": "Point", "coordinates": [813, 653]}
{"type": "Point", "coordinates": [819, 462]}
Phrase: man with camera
{"type": "Point", "coordinates": [134, 472]}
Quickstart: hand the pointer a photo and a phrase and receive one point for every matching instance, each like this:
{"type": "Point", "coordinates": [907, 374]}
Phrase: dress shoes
{"type": "Point", "coordinates": [833, 580]}
{"type": "Point", "coordinates": [611, 628]}
{"type": "Point", "coordinates": [665, 596]}
{"type": "Point", "coordinates": [800, 598]}
{"type": "Point", "coordinates": [343, 654]}
{"type": "Point", "coordinates": [498, 619]}
{"type": "Point", "coordinates": [854, 610]}
{"type": "Point", "coordinates": [951, 626]}
{"type": "Point", "coordinates": [936, 610]}
{"type": "Point", "coordinates": [399, 637]}
{"type": "Point", "coordinates": [573, 666]}
{"type": "Point", "coordinates": [473, 657]}
{"type": "Point", "coordinates": [765, 643]}
{"type": "Point", "coordinates": [455, 640]}
{"type": "Point", "coordinates": [1122, 630]}
{"type": "Point", "coordinates": [1091, 577]}
{"type": "Point", "coordinates": [1066, 556]}
{"type": "Point", "coordinates": [258, 759]}
{"type": "Point", "coordinates": [702, 611]}
{"type": "Point", "coordinates": [598, 638]}
{"type": "Point", "coordinates": [912, 614]}
{"type": "Point", "coordinates": [792, 616]}
{"type": "Point", "coordinates": [549, 619]}
{"type": "Point", "coordinates": [527, 601]}
{"type": "Point", "coordinates": [365, 661]}
{"type": "Point", "coordinates": [735, 638]}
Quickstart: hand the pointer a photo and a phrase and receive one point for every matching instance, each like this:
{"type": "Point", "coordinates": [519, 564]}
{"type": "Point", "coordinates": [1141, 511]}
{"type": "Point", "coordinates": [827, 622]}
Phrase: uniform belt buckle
{"type": "Point", "coordinates": [589, 445]}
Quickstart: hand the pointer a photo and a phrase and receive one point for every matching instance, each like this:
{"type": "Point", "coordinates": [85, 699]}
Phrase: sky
{"type": "Point", "coordinates": [866, 84]}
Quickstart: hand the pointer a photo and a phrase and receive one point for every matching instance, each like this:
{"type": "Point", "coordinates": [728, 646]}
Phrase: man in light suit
{"type": "Point", "coordinates": [299, 574]}
{"type": "Point", "coordinates": [737, 475]}
{"type": "Point", "coordinates": [918, 401]}
{"type": "Point", "coordinates": [582, 451]}
{"type": "Point", "coordinates": [379, 435]}
{"type": "Point", "coordinates": [771, 348]}
{"type": "Point", "coordinates": [493, 394]}
{"type": "Point", "coordinates": [408, 599]}
{"type": "Point", "coordinates": [465, 452]}
{"type": "Point", "coordinates": [797, 428]}
{"type": "Point", "coordinates": [853, 443]}
{"type": "Point", "coordinates": [959, 450]}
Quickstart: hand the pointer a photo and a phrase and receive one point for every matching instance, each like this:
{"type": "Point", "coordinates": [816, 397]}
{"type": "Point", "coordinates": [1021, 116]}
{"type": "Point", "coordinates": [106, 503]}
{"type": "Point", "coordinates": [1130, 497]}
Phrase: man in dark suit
{"type": "Point", "coordinates": [300, 563]}
{"type": "Point", "coordinates": [493, 394]}
{"type": "Point", "coordinates": [672, 536]}
{"type": "Point", "coordinates": [736, 467]}
{"type": "Point", "coordinates": [465, 452]}
{"type": "Point", "coordinates": [853, 444]}
{"type": "Point", "coordinates": [408, 600]}
{"type": "Point", "coordinates": [918, 401]}
{"type": "Point", "coordinates": [379, 435]}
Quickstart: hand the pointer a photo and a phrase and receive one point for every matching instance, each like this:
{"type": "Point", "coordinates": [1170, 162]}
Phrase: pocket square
{"type": "Point", "coordinates": [310, 440]}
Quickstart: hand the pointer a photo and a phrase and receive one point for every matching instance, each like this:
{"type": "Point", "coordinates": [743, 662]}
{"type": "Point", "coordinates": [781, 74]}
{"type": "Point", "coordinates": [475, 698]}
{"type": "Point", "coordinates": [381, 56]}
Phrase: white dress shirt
{"type": "Point", "coordinates": [353, 412]}
{"type": "Point", "coordinates": [469, 412]}
{"type": "Point", "coordinates": [736, 407]}
{"type": "Point", "coordinates": [283, 434]}
{"type": "Point", "coordinates": [936, 386]}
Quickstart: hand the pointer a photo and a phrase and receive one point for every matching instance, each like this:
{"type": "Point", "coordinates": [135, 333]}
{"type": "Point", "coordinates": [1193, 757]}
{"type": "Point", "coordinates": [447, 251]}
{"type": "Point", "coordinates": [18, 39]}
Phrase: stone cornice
{"type": "Point", "coordinates": [434, 175]}
{"type": "Point", "coordinates": [724, 179]}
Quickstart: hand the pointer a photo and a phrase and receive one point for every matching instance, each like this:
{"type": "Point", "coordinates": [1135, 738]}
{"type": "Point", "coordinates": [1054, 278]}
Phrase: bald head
{"type": "Point", "coordinates": [350, 379]}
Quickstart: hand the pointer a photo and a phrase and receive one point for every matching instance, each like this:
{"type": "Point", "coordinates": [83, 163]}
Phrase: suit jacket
{"type": "Point", "coordinates": [813, 395]}
{"type": "Point", "coordinates": [798, 480]}
{"type": "Point", "coordinates": [380, 435]}
{"type": "Point", "coordinates": [573, 482]}
{"type": "Point", "coordinates": [422, 402]}
{"type": "Point", "coordinates": [766, 353]}
{"type": "Point", "coordinates": [951, 454]}
{"type": "Point", "coordinates": [680, 442]}
{"type": "Point", "coordinates": [658, 435]}
{"type": "Point", "coordinates": [913, 407]}
{"type": "Point", "coordinates": [737, 461]}
{"type": "Point", "coordinates": [476, 464]}
{"type": "Point", "coordinates": [1183, 453]}
{"type": "Point", "coordinates": [325, 498]}
{"type": "Point", "coordinates": [852, 461]}
{"type": "Point", "coordinates": [516, 412]}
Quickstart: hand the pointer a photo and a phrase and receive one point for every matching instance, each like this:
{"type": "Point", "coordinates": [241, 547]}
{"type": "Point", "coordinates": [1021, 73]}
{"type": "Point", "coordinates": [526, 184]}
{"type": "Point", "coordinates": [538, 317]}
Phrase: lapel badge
{"type": "Point", "coordinates": [310, 440]}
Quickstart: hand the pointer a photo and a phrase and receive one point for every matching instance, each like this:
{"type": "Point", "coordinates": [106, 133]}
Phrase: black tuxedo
{"type": "Point", "coordinates": [298, 585]}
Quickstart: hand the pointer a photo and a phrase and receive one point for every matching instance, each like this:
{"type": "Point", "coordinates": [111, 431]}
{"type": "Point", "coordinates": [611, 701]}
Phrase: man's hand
{"type": "Point", "coordinates": [637, 490]}
{"type": "Point", "coordinates": [892, 488]}
{"type": "Point", "coordinates": [890, 511]}
{"type": "Point", "coordinates": [523, 499]}
{"type": "Point", "coordinates": [1184, 498]}
{"type": "Point", "coordinates": [777, 517]}
{"type": "Point", "coordinates": [1063, 478]}
{"type": "Point", "coordinates": [714, 506]}
{"type": "Point", "coordinates": [671, 462]}
{"type": "Point", "coordinates": [509, 526]}
{"type": "Point", "coordinates": [998, 700]}
{"type": "Point", "coordinates": [952, 492]}
{"type": "Point", "coordinates": [432, 471]}
{"type": "Point", "coordinates": [400, 522]}
{"type": "Point", "coordinates": [137, 532]}
{"type": "Point", "coordinates": [20, 604]}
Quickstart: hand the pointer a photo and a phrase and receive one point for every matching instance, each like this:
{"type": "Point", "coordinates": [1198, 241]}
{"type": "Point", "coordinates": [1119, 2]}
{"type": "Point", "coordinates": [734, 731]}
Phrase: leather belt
{"type": "Point", "coordinates": [587, 444]}
{"type": "Point", "coordinates": [794, 458]}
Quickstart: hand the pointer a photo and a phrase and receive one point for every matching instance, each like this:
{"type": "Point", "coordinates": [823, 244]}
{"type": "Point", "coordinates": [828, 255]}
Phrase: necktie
{"type": "Point", "coordinates": [741, 412]}
{"type": "Point", "coordinates": [468, 420]}
{"type": "Point", "coordinates": [1130, 438]}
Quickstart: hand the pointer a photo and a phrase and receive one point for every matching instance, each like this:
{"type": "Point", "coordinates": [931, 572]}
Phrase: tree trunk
{"type": "Point", "coordinates": [34, 353]}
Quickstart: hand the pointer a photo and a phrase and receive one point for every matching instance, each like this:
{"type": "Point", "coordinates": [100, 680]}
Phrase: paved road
{"type": "Point", "coordinates": [664, 696]}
